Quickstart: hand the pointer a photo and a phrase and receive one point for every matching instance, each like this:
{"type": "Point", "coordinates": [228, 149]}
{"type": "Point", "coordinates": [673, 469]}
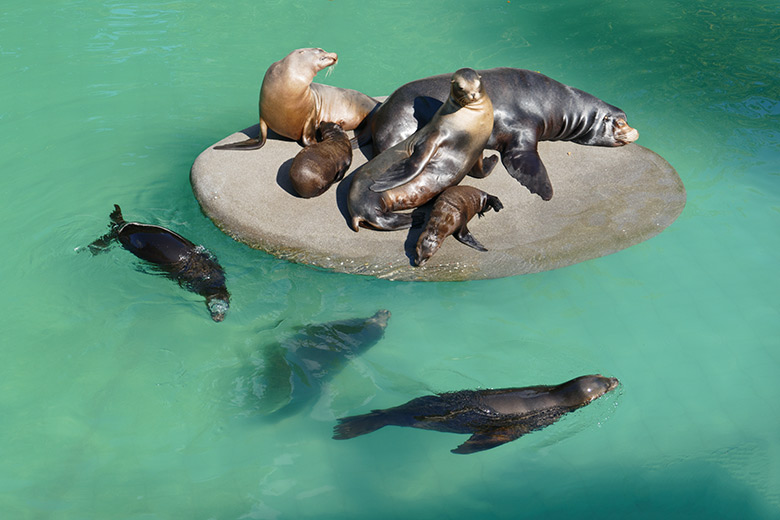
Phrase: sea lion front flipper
{"type": "Point", "coordinates": [464, 236]}
{"type": "Point", "coordinates": [488, 439]}
{"type": "Point", "coordinates": [404, 171]}
{"type": "Point", "coordinates": [528, 169]}
{"type": "Point", "coordinates": [483, 167]}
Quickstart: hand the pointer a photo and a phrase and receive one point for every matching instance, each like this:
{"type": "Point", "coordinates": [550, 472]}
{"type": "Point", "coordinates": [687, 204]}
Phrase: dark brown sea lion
{"type": "Point", "coordinates": [322, 164]}
{"type": "Point", "coordinates": [437, 156]}
{"type": "Point", "coordinates": [292, 106]}
{"type": "Point", "coordinates": [528, 107]}
{"type": "Point", "coordinates": [193, 267]}
{"type": "Point", "coordinates": [451, 211]}
{"type": "Point", "coordinates": [493, 417]}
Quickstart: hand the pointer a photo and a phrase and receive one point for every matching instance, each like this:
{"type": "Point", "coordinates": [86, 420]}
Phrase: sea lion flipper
{"type": "Point", "coordinates": [483, 167]}
{"type": "Point", "coordinates": [253, 143]}
{"type": "Point", "coordinates": [528, 169]}
{"type": "Point", "coordinates": [464, 236]}
{"type": "Point", "coordinates": [404, 171]}
{"type": "Point", "coordinates": [486, 440]}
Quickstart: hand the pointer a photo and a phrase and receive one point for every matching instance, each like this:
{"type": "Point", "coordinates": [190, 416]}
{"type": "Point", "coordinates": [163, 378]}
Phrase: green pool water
{"type": "Point", "coordinates": [121, 399]}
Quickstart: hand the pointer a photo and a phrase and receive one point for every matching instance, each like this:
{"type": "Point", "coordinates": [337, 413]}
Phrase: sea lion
{"type": "Point", "coordinates": [437, 156]}
{"type": "Point", "coordinates": [294, 370]}
{"type": "Point", "coordinates": [292, 106]}
{"type": "Point", "coordinates": [493, 417]}
{"type": "Point", "coordinates": [528, 107]}
{"type": "Point", "coordinates": [322, 164]}
{"type": "Point", "coordinates": [451, 211]}
{"type": "Point", "coordinates": [192, 266]}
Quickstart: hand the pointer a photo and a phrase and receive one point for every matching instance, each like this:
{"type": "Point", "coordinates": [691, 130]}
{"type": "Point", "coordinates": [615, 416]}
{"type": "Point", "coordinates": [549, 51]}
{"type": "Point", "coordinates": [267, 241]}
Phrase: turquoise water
{"type": "Point", "coordinates": [120, 398]}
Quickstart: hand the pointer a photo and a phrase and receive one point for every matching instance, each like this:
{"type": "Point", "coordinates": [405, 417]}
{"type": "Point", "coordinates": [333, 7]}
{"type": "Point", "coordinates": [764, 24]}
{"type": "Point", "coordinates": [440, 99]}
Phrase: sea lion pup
{"type": "Point", "coordinates": [292, 106]}
{"type": "Point", "coordinates": [193, 267]}
{"type": "Point", "coordinates": [493, 417]}
{"type": "Point", "coordinates": [452, 210]}
{"type": "Point", "coordinates": [322, 164]}
{"type": "Point", "coordinates": [529, 107]}
{"type": "Point", "coordinates": [437, 156]}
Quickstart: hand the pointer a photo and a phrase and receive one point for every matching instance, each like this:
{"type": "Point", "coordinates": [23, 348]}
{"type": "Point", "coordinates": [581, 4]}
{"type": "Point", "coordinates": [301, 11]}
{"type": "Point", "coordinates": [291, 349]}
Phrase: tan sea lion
{"type": "Point", "coordinates": [322, 164]}
{"type": "Point", "coordinates": [492, 417]}
{"type": "Point", "coordinates": [452, 210]}
{"type": "Point", "coordinates": [292, 106]}
{"type": "Point", "coordinates": [437, 156]}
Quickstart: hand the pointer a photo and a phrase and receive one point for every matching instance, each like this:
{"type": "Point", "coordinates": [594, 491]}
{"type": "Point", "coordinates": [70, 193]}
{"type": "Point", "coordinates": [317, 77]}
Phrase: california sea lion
{"type": "Point", "coordinates": [295, 369]}
{"type": "Point", "coordinates": [528, 107]}
{"type": "Point", "coordinates": [437, 156]}
{"type": "Point", "coordinates": [322, 164]}
{"type": "Point", "coordinates": [493, 417]}
{"type": "Point", "coordinates": [292, 106]}
{"type": "Point", "coordinates": [451, 211]}
{"type": "Point", "coordinates": [193, 267]}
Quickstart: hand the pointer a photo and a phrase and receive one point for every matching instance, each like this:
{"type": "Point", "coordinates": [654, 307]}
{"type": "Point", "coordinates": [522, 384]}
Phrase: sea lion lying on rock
{"type": "Point", "coordinates": [451, 212]}
{"type": "Point", "coordinates": [437, 156]}
{"type": "Point", "coordinates": [321, 164]}
{"type": "Point", "coordinates": [528, 107]}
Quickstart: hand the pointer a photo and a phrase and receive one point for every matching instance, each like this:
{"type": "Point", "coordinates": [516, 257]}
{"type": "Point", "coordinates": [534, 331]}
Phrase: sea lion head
{"type": "Point", "coordinates": [585, 389]}
{"type": "Point", "coordinates": [427, 245]}
{"type": "Point", "coordinates": [318, 58]}
{"type": "Point", "coordinates": [218, 305]}
{"type": "Point", "coordinates": [466, 87]}
{"type": "Point", "coordinates": [610, 129]}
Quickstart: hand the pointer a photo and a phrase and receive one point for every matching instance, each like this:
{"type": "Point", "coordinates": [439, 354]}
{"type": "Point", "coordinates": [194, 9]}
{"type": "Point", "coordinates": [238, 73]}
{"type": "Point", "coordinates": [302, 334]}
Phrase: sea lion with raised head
{"type": "Point", "coordinates": [528, 107]}
{"type": "Point", "coordinates": [437, 156]}
{"type": "Point", "coordinates": [322, 164]}
{"type": "Point", "coordinates": [292, 106]}
{"type": "Point", "coordinates": [451, 212]}
{"type": "Point", "coordinates": [192, 266]}
{"type": "Point", "coordinates": [493, 417]}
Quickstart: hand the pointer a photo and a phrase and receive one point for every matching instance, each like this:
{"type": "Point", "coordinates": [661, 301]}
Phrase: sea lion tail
{"type": "Point", "coordinates": [356, 425]}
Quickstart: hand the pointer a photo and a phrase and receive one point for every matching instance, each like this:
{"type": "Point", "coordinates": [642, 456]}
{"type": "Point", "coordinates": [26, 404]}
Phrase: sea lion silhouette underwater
{"type": "Point", "coordinates": [493, 417]}
{"type": "Point", "coordinates": [294, 370]}
{"type": "Point", "coordinates": [171, 255]}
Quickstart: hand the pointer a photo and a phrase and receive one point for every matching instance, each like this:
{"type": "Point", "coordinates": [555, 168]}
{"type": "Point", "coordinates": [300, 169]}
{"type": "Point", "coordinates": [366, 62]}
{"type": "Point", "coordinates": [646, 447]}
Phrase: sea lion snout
{"type": "Point", "coordinates": [624, 134]}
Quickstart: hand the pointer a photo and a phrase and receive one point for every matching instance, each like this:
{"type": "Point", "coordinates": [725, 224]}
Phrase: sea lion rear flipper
{"type": "Point", "coordinates": [485, 440]}
{"type": "Point", "coordinates": [464, 236]}
{"type": "Point", "coordinates": [103, 244]}
{"type": "Point", "coordinates": [404, 171]}
{"type": "Point", "coordinates": [528, 169]}
{"type": "Point", "coordinates": [350, 427]}
{"type": "Point", "coordinates": [252, 143]}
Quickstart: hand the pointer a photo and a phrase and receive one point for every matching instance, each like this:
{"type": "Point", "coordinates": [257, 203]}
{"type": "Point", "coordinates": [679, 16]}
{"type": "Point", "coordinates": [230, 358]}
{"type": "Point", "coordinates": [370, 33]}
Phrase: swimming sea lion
{"type": "Point", "coordinates": [295, 369]}
{"type": "Point", "coordinates": [427, 162]}
{"type": "Point", "coordinates": [292, 106]}
{"type": "Point", "coordinates": [322, 164]}
{"type": "Point", "coordinates": [451, 211]}
{"type": "Point", "coordinates": [493, 417]}
{"type": "Point", "coordinates": [528, 107]}
{"type": "Point", "coordinates": [193, 267]}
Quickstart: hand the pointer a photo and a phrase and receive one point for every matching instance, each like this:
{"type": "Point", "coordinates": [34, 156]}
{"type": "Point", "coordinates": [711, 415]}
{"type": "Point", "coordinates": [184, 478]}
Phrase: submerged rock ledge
{"type": "Point", "coordinates": [606, 199]}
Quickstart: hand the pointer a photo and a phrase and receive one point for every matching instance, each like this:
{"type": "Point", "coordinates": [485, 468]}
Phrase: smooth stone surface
{"type": "Point", "coordinates": [606, 199]}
